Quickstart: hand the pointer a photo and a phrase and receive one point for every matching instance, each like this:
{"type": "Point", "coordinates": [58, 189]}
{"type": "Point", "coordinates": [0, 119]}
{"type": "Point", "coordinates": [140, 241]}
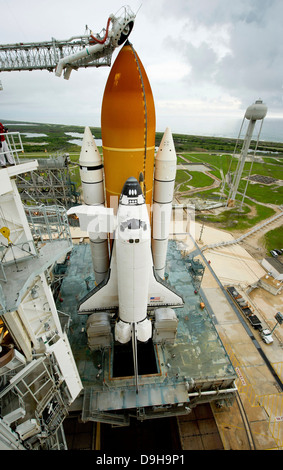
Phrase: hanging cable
{"type": "Point", "coordinates": [102, 41]}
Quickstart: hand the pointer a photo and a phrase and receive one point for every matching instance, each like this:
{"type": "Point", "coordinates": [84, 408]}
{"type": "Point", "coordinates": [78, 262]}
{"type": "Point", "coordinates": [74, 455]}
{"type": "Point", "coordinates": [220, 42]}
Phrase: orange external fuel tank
{"type": "Point", "coordinates": [128, 126]}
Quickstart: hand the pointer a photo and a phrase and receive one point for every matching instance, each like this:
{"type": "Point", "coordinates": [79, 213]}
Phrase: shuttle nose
{"type": "Point", "coordinates": [131, 188]}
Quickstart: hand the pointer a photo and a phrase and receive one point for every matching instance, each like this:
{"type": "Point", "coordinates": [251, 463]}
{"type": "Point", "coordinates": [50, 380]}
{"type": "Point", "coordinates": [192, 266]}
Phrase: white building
{"type": "Point", "coordinates": [273, 266]}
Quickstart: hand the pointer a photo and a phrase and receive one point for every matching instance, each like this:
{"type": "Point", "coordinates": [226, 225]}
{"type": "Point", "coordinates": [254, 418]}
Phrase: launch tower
{"type": "Point", "coordinates": [38, 375]}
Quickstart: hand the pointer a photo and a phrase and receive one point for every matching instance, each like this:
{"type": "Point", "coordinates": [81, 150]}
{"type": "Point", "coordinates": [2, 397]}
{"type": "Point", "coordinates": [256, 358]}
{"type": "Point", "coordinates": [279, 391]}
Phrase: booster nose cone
{"type": "Point", "coordinates": [165, 160]}
{"type": "Point", "coordinates": [89, 156]}
{"type": "Point", "coordinates": [91, 172]}
{"type": "Point", "coordinates": [128, 125]}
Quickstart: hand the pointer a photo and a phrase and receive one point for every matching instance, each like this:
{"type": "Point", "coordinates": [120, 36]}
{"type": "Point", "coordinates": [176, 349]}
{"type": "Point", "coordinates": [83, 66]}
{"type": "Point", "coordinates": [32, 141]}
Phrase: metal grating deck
{"type": "Point", "coordinates": [195, 363]}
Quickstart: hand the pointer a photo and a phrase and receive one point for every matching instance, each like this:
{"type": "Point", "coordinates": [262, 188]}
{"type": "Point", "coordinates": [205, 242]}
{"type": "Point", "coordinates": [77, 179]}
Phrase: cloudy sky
{"type": "Point", "coordinates": [204, 58]}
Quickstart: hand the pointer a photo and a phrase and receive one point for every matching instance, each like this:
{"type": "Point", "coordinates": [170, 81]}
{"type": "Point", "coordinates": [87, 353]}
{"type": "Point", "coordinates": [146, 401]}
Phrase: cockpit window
{"type": "Point", "coordinates": [133, 192]}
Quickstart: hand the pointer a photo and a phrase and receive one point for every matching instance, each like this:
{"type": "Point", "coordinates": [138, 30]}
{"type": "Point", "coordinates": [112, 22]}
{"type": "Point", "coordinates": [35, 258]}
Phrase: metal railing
{"type": "Point", "coordinates": [48, 223]}
{"type": "Point", "coordinates": [14, 145]}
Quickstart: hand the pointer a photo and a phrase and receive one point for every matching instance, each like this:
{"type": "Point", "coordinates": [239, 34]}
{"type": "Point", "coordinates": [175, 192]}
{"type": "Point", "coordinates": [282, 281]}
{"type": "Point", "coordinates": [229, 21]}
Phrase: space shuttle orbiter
{"type": "Point", "coordinates": [131, 285]}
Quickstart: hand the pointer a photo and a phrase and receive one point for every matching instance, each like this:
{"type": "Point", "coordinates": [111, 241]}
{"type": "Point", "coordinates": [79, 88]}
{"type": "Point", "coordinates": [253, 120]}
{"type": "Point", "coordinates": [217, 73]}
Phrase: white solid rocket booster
{"type": "Point", "coordinates": [91, 173]}
{"type": "Point", "coordinates": [164, 181]}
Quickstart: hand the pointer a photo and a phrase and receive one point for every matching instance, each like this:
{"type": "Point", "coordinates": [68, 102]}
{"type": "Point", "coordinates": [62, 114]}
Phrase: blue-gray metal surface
{"type": "Point", "coordinates": [196, 361]}
{"type": "Point", "coordinates": [20, 274]}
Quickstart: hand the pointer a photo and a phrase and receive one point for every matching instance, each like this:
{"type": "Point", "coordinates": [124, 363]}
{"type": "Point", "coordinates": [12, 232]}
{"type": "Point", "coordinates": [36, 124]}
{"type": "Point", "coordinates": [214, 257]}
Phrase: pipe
{"type": "Point", "coordinates": [212, 392]}
{"type": "Point", "coordinates": [87, 51]}
{"type": "Point", "coordinates": [102, 41]}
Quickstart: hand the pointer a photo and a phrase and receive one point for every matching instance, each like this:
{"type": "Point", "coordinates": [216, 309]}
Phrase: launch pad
{"type": "Point", "coordinates": [174, 376]}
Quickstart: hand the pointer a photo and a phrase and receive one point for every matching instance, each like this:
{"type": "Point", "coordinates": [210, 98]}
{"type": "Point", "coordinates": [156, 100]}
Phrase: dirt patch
{"type": "Point", "coordinates": [255, 246]}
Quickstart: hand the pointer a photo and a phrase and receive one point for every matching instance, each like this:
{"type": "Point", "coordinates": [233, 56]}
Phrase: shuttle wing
{"type": "Point", "coordinates": [160, 294]}
{"type": "Point", "coordinates": [105, 295]}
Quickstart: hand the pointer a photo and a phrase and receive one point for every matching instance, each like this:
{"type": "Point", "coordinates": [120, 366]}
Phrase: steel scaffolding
{"type": "Point", "coordinates": [46, 55]}
{"type": "Point", "coordinates": [64, 55]}
{"type": "Point", "coordinates": [196, 270]}
{"type": "Point", "coordinates": [50, 184]}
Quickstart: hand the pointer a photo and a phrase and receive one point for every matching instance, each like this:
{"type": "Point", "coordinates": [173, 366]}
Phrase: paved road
{"type": "Point", "coordinates": [197, 252]}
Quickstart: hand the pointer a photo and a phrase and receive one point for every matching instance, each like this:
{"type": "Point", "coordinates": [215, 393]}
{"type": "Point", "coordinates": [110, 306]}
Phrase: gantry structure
{"type": "Point", "coordinates": [49, 184]}
{"type": "Point", "coordinates": [89, 50]}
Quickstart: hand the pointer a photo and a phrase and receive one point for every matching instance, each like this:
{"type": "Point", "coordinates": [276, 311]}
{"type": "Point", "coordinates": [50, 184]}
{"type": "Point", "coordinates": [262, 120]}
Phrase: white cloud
{"type": "Point", "coordinates": [222, 104]}
{"type": "Point", "coordinates": [168, 71]}
{"type": "Point", "coordinates": [205, 56]}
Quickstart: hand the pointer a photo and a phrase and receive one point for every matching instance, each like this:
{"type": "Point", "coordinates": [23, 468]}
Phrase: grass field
{"type": "Point", "coordinates": [235, 219]}
{"type": "Point", "coordinates": [272, 194]}
{"type": "Point", "coordinates": [254, 210]}
{"type": "Point", "coordinates": [274, 239]}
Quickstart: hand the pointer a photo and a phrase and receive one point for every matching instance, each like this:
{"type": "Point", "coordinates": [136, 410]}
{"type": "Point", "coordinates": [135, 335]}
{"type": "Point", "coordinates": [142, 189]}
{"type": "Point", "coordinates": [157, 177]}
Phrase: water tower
{"type": "Point", "coordinates": [255, 112]}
